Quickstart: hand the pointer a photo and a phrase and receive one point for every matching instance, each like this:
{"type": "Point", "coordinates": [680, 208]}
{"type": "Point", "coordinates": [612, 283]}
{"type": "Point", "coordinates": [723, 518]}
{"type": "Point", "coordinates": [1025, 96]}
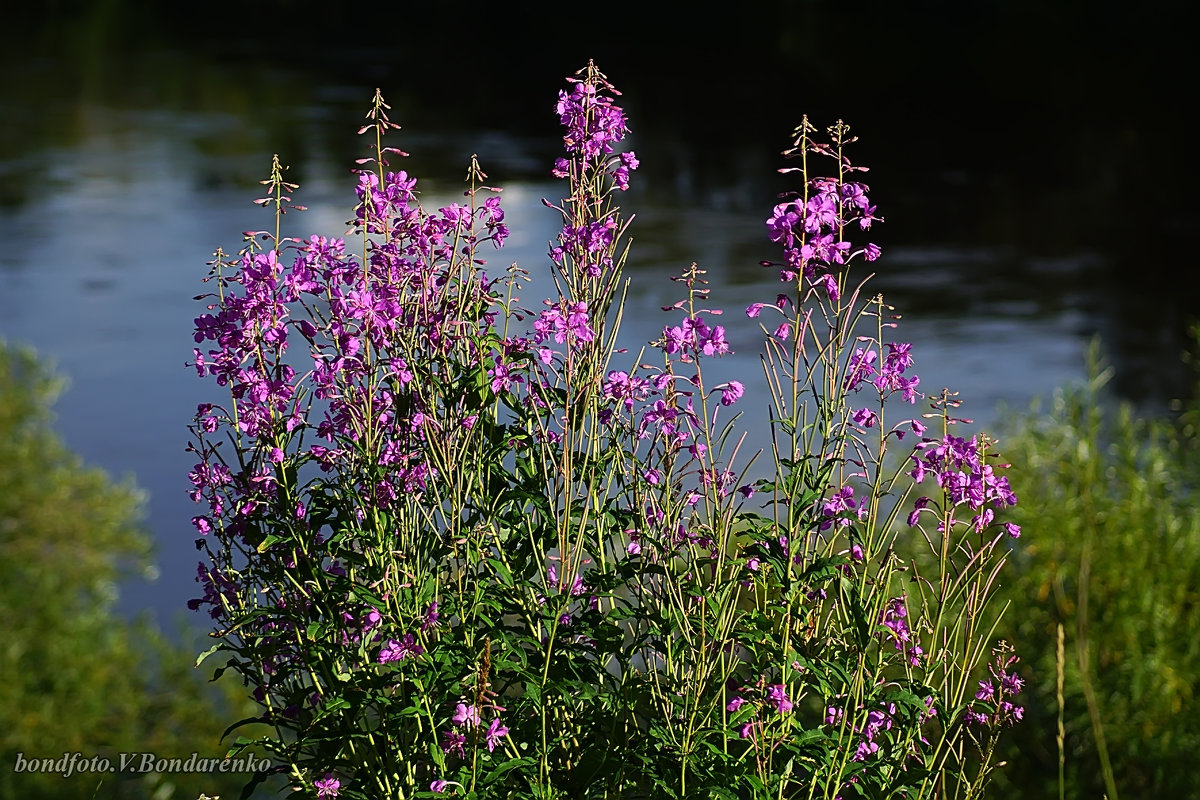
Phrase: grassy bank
{"type": "Point", "coordinates": [1111, 506]}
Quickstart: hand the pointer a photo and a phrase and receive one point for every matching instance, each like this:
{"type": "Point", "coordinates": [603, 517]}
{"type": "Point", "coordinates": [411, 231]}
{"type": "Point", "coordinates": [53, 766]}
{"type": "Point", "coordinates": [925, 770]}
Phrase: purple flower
{"type": "Point", "coordinates": [714, 343]}
{"type": "Point", "coordinates": [675, 340]}
{"type": "Point", "coordinates": [833, 508]}
{"type": "Point", "coordinates": [400, 370]}
{"type": "Point", "coordinates": [866, 748]}
{"type": "Point", "coordinates": [860, 369]}
{"type": "Point", "coordinates": [1011, 682]}
{"type": "Point", "coordinates": [593, 123]}
{"type": "Point", "coordinates": [431, 617]}
{"type": "Point", "coordinates": [400, 650]}
{"type": "Point", "coordinates": [821, 210]}
{"type": "Point", "coordinates": [694, 337]}
{"type": "Point", "coordinates": [777, 695]}
{"type": "Point", "coordinates": [853, 194]}
{"type": "Point", "coordinates": [503, 378]}
{"type": "Point", "coordinates": [438, 786]}
{"type": "Point", "coordinates": [578, 324]}
{"type": "Point", "coordinates": [570, 328]}
{"type": "Point", "coordinates": [620, 178]}
{"type": "Point", "coordinates": [452, 743]}
{"type": "Point", "coordinates": [620, 175]}
{"type": "Point", "coordinates": [327, 786]}
{"type": "Point", "coordinates": [894, 618]}
{"type": "Point", "coordinates": [783, 220]}
{"type": "Point", "coordinates": [972, 717]}
{"type": "Point", "coordinates": [466, 715]}
{"type": "Point", "coordinates": [865, 418]}
{"type": "Point", "coordinates": [620, 386]}
{"type": "Point", "coordinates": [731, 393]}
{"type": "Point", "coordinates": [457, 215]}
{"type": "Point", "coordinates": [494, 732]}
{"type": "Point", "coordinates": [962, 471]}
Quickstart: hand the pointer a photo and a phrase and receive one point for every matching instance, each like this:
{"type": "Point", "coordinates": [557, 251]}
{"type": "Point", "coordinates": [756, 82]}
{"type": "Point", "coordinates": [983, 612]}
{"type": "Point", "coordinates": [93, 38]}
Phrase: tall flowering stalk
{"type": "Point", "coordinates": [881, 631]}
{"type": "Point", "coordinates": [453, 546]}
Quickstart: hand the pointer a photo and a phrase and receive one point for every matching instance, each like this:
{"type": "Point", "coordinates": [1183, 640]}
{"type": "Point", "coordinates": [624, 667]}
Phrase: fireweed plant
{"type": "Point", "coordinates": [453, 546]}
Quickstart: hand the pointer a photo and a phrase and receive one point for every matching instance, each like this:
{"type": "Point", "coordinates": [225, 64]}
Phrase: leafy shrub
{"type": "Point", "coordinates": [458, 546]}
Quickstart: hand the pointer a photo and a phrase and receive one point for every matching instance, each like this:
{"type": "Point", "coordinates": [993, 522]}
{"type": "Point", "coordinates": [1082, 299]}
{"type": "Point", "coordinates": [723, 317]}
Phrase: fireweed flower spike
{"type": "Point", "coordinates": [446, 540]}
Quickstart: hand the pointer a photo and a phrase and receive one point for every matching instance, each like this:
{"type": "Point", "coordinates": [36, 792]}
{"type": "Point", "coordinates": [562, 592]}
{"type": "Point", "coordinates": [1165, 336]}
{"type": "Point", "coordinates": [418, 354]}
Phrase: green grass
{"type": "Point", "coordinates": [1110, 508]}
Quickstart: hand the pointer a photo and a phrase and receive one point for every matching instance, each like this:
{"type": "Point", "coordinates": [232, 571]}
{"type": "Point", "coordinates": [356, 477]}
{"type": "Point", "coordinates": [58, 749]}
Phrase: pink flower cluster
{"type": "Point", "coordinates": [961, 469]}
{"type": "Point", "coordinates": [466, 717]}
{"type": "Point", "coordinates": [812, 231]}
{"type": "Point", "coordinates": [889, 378]}
{"type": "Point", "coordinates": [993, 704]}
{"type": "Point", "coordinates": [694, 338]}
{"type": "Point", "coordinates": [572, 327]}
{"type": "Point", "coordinates": [894, 617]}
{"type": "Point", "coordinates": [593, 123]}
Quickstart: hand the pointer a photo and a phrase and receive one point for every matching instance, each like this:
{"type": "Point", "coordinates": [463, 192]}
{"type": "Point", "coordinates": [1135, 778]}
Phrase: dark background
{"type": "Point", "coordinates": [1066, 93]}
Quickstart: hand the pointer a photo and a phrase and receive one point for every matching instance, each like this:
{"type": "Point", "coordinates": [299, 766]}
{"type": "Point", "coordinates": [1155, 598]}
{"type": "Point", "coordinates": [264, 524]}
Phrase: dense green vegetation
{"type": "Point", "coordinates": [1111, 552]}
{"type": "Point", "coordinates": [1110, 507]}
{"type": "Point", "coordinates": [74, 677]}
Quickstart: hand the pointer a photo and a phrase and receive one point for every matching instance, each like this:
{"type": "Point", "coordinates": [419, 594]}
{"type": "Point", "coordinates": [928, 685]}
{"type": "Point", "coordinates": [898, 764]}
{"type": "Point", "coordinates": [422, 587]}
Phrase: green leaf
{"type": "Point", "coordinates": [241, 741]}
{"type": "Point", "coordinates": [200, 659]}
{"type": "Point", "coordinates": [269, 540]}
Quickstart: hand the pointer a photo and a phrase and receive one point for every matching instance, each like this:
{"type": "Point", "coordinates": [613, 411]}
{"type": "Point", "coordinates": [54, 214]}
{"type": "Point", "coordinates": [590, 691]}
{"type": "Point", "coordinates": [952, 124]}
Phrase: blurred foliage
{"type": "Point", "coordinates": [1110, 507]}
{"type": "Point", "coordinates": [74, 677]}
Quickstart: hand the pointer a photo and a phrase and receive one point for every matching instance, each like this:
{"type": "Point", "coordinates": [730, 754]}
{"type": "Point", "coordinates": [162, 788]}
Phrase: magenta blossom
{"type": "Point", "coordinates": [494, 732]}
{"type": "Point", "coordinates": [466, 715]}
{"type": "Point", "coordinates": [452, 743]}
{"type": "Point", "coordinates": [731, 392]}
{"type": "Point", "coordinates": [400, 650]}
{"type": "Point", "coordinates": [327, 786]}
{"type": "Point", "coordinates": [777, 695]}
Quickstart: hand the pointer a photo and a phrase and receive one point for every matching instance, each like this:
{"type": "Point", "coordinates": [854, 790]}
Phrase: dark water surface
{"type": "Point", "coordinates": [120, 173]}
